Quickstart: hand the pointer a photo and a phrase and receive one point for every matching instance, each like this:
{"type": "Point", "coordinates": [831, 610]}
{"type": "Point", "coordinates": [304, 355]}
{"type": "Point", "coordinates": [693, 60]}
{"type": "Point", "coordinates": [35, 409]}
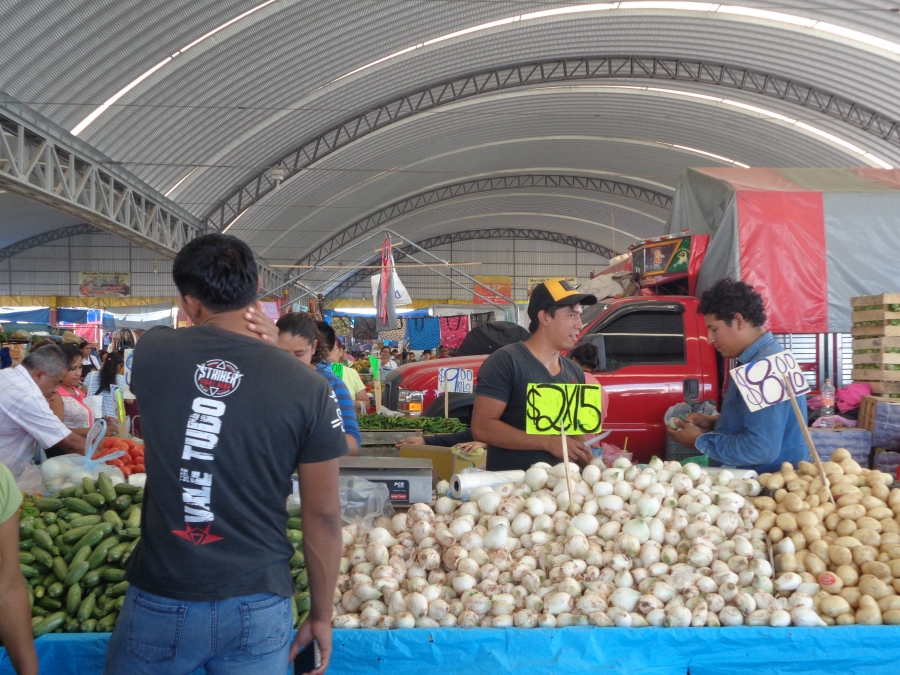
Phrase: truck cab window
{"type": "Point", "coordinates": [644, 338]}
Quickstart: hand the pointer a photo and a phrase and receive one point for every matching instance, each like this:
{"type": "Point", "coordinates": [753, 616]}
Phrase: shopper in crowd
{"type": "Point", "coordinates": [426, 355]}
{"type": "Point", "coordinates": [69, 405]}
{"type": "Point", "coordinates": [299, 336]}
{"type": "Point", "coordinates": [386, 362]}
{"type": "Point", "coordinates": [15, 612]}
{"type": "Point", "coordinates": [499, 415]}
{"type": "Point", "coordinates": [100, 383]}
{"type": "Point", "coordinates": [444, 352]}
{"type": "Point", "coordinates": [351, 378]}
{"type": "Point", "coordinates": [735, 318]}
{"type": "Point", "coordinates": [89, 360]}
{"type": "Point", "coordinates": [25, 415]}
{"type": "Point", "coordinates": [227, 420]}
{"type": "Point", "coordinates": [587, 356]}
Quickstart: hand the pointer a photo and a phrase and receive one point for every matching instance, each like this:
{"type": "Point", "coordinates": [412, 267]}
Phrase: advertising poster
{"type": "Point", "coordinates": [104, 284]}
{"type": "Point", "coordinates": [490, 286]}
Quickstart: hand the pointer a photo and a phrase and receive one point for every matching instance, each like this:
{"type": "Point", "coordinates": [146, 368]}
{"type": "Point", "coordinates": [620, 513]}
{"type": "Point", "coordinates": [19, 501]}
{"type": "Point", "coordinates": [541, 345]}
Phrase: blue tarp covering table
{"type": "Point", "coordinates": [847, 650]}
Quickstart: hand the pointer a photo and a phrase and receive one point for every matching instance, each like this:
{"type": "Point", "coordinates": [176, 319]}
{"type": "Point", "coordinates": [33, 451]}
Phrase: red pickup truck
{"type": "Point", "coordinates": [656, 353]}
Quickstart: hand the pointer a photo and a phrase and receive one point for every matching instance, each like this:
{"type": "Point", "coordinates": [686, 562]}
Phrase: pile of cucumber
{"type": "Point", "coordinates": [74, 547]}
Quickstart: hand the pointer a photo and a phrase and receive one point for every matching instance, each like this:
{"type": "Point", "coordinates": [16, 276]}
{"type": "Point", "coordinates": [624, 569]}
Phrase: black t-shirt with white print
{"type": "Point", "coordinates": [226, 418]}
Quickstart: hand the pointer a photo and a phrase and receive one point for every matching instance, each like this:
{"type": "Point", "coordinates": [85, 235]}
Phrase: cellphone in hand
{"type": "Point", "coordinates": [308, 659]}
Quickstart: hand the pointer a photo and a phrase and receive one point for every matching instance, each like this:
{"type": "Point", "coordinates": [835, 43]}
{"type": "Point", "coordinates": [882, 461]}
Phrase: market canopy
{"type": "Point", "coordinates": [807, 239]}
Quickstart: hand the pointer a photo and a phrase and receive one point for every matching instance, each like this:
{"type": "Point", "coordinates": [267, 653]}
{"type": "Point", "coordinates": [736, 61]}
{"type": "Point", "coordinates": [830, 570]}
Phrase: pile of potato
{"type": "Point", "coordinates": [850, 548]}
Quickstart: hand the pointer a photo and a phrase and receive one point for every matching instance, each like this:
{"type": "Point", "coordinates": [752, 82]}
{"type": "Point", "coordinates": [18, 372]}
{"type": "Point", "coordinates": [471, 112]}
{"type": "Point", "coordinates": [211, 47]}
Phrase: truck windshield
{"type": "Point", "coordinates": [591, 312]}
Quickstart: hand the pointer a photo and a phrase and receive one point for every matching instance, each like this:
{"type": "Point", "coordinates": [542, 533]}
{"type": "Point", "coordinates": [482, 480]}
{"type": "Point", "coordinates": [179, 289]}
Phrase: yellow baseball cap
{"type": "Point", "coordinates": [556, 292]}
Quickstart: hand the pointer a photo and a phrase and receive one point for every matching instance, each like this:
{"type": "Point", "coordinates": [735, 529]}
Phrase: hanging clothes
{"type": "Point", "coordinates": [364, 329]}
{"type": "Point", "coordinates": [481, 318]}
{"type": "Point", "coordinates": [454, 330]}
{"type": "Point", "coordinates": [342, 326]}
{"type": "Point", "coordinates": [395, 335]}
{"type": "Point", "coordinates": [424, 332]}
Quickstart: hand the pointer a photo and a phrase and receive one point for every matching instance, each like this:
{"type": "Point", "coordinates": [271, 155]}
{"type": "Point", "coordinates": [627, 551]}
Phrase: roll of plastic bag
{"type": "Point", "coordinates": [739, 474]}
{"type": "Point", "coordinates": [463, 483]}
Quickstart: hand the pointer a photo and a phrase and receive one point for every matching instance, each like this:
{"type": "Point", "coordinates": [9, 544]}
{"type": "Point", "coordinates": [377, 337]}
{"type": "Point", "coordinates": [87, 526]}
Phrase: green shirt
{"type": "Point", "coordinates": [10, 497]}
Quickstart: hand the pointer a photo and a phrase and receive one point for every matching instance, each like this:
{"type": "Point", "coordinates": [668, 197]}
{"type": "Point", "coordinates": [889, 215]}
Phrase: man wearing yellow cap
{"type": "Point", "coordinates": [499, 416]}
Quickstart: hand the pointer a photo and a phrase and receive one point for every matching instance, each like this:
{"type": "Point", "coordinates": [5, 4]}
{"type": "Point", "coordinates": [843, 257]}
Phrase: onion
{"type": "Point", "coordinates": [625, 598]}
{"type": "Point", "coordinates": [587, 524]}
{"type": "Point", "coordinates": [677, 617]}
{"type": "Point", "coordinates": [558, 603]}
{"type": "Point", "coordinates": [381, 536]}
{"type": "Point", "coordinates": [489, 502]}
{"type": "Point", "coordinates": [445, 505]}
{"type": "Point", "coordinates": [637, 528]}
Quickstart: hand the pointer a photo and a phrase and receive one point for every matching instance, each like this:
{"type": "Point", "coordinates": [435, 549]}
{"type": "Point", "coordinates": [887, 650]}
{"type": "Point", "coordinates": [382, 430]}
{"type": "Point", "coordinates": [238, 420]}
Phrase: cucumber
{"type": "Point", "coordinates": [302, 580]}
{"type": "Point", "coordinates": [26, 528]}
{"type": "Point", "coordinates": [89, 626]}
{"type": "Point", "coordinates": [25, 544]}
{"type": "Point", "coordinates": [294, 512]}
{"type": "Point", "coordinates": [55, 589]}
{"type": "Point", "coordinates": [80, 506]}
{"type": "Point", "coordinates": [126, 489]}
{"type": "Point", "coordinates": [98, 557]}
{"type": "Point", "coordinates": [50, 518]}
{"type": "Point", "coordinates": [93, 578]}
{"type": "Point", "coordinates": [39, 611]}
{"type": "Point", "coordinates": [116, 552]}
{"type": "Point", "coordinates": [64, 548]}
{"type": "Point", "coordinates": [25, 557]}
{"type": "Point", "coordinates": [298, 560]}
{"type": "Point", "coordinates": [79, 492]}
{"type": "Point", "coordinates": [50, 624]}
{"type": "Point", "coordinates": [114, 574]}
{"type": "Point", "coordinates": [130, 533]}
{"type": "Point", "coordinates": [86, 607]}
{"type": "Point", "coordinates": [62, 524]}
{"type": "Point", "coordinates": [129, 551]}
{"type": "Point", "coordinates": [48, 504]}
{"type": "Point", "coordinates": [29, 572]}
{"type": "Point", "coordinates": [95, 499]}
{"type": "Point", "coordinates": [38, 591]}
{"type": "Point", "coordinates": [138, 496]}
{"type": "Point", "coordinates": [52, 530]}
{"type": "Point", "coordinates": [50, 604]}
{"type": "Point", "coordinates": [134, 518]}
{"type": "Point", "coordinates": [30, 512]}
{"type": "Point", "coordinates": [81, 521]}
{"type": "Point", "coordinates": [80, 556]}
{"type": "Point", "coordinates": [67, 492]}
{"type": "Point", "coordinates": [76, 571]}
{"type": "Point", "coordinates": [295, 523]}
{"type": "Point", "coordinates": [120, 603]}
{"type": "Point", "coordinates": [105, 487]}
{"type": "Point", "coordinates": [41, 555]}
{"type": "Point", "coordinates": [48, 580]}
{"type": "Point", "coordinates": [113, 519]}
{"type": "Point", "coordinates": [97, 534]}
{"type": "Point", "coordinates": [75, 534]}
{"type": "Point", "coordinates": [117, 590]}
{"type": "Point", "coordinates": [89, 486]}
{"type": "Point", "coordinates": [304, 601]}
{"type": "Point", "coordinates": [73, 599]}
{"type": "Point", "coordinates": [127, 512]}
{"type": "Point", "coordinates": [35, 620]}
{"type": "Point", "coordinates": [72, 626]}
{"type": "Point", "coordinates": [107, 623]}
{"type": "Point", "coordinates": [122, 502]}
{"type": "Point", "coordinates": [60, 568]}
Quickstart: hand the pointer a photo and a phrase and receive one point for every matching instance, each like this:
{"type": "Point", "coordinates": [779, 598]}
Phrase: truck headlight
{"type": "Point", "coordinates": [410, 402]}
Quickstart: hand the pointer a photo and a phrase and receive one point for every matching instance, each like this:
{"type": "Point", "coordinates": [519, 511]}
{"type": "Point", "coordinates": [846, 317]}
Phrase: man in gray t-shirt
{"type": "Point", "coordinates": [499, 415]}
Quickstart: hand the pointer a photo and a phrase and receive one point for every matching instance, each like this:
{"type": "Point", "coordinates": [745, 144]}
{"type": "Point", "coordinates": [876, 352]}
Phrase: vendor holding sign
{"type": "Point", "coordinates": [500, 415]}
{"type": "Point", "coordinates": [761, 438]}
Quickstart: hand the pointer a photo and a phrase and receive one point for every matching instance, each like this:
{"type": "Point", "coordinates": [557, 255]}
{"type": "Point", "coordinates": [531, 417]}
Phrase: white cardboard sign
{"type": "Point", "coordinates": [457, 380]}
{"type": "Point", "coordinates": [129, 357]}
{"type": "Point", "coordinates": [761, 382]}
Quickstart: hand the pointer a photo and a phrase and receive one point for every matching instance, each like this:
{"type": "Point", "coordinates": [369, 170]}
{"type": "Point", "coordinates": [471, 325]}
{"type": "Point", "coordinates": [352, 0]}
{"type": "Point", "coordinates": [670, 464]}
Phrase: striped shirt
{"type": "Point", "coordinates": [348, 410]}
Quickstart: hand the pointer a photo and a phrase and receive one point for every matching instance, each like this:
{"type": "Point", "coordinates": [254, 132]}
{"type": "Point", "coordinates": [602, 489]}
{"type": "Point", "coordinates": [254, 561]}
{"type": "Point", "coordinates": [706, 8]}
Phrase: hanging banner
{"type": "Point", "coordinates": [457, 380]}
{"type": "Point", "coordinates": [104, 284]}
{"type": "Point", "coordinates": [761, 383]}
{"type": "Point", "coordinates": [401, 295]}
{"type": "Point", "coordinates": [534, 281]}
{"type": "Point", "coordinates": [385, 304]}
{"type": "Point", "coordinates": [270, 309]}
{"type": "Point", "coordinates": [489, 287]}
{"type": "Point", "coordinates": [552, 407]}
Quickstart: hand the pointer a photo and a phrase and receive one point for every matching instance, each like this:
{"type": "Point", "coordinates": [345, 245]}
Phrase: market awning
{"type": "Point", "coordinates": [39, 315]}
{"type": "Point", "coordinates": [807, 239]}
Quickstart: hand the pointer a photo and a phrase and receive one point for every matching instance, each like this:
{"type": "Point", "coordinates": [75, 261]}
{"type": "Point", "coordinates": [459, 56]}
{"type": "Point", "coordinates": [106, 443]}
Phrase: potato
{"type": "Point", "coordinates": [850, 466]}
{"type": "Point", "coordinates": [894, 566]}
{"type": "Point", "coordinates": [825, 503]}
{"type": "Point", "coordinates": [814, 565]}
{"type": "Point", "coordinates": [869, 616]}
{"type": "Point", "coordinates": [890, 538]}
{"type": "Point", "coordinates": [822, 530]}
{"type": "Point", "coordinates": [781, 508]}
{"type": "Point", "coordinates": [881, 491]}
{"type": "Point", "coordinates": [867, 523]}
{"type": "Point", "coordinates": [870, 585]}
{"type": "Point", "coordinates": [889, 602]}
{"type": "Point", "coordinates": [889, 525]}
{"type": "Point", "coordinates": [810, 534]}
{"type": "Point", "coordinates": [807, 468]}
{"type": "Point", "coordinates": [847, 619]}
{"type": "Point", "coordinates": [852, 512]}
{"type": "Point", "coordinates": [891, 617]}
{"type": "Point", "coordinates": [841, 479]}
{"type": "Point", "coordinates": [831, 583]}
{"type": "Point", "coordinates": [851, 595]}
{"type": "Point", "coordinates": [863, 554]}
{"type": "Point", "coordinates": [776, 482]}
{"type": "Point", "coordinates": [830, 537]}
{"type": "Point", "coordinates": [785, 562]}
{"type": "Point", "coordinates": [834, 606]}
{"type": "Point", "coordinates": [896, 584]}
{"type": "Point", "coordinates": [846, 528]}
{"type": "Point", "coordinates": [879, 512]}
{"type": "Point", "coordinates": [790, 475]}
{"type": "Point", "coordinates": [848, 575]}
{"type": "Point", "coordinates": [812, 499]}
{"type": "Point", "coordinates": [877, 569]}
{"type": "Point", "coordinates": [848, 542]}
{"type": "Point", "coordinates": [787, 523]}
{"type": "Point", "coordinates": [869, 501]}
{"type": "Point", "coordinates": [764, 504]}
{"type": "Point", "coordinates": [894, 497]}
{"type": "Point", "coordinates": [780, 495]}
{"type": "Point", "coordinates": [832, 521]}
{"type": "Point", "coordinates": [839, 555]}
{"type": "Point", "coordinates": [796, 485]}
{"type": "Point", "coordinates": [776, 535]}
{"type": "Point", "coordinates": [849, 499]}
{"type": "Point", "coordinates": [765, 521]}
{"type": "Point", "coordinates": [840, 455]}
{"type": "Point", "coordinates": [868, 537]}
{"type": "Point", "coordinates": [820, 549]}
{"type": "Point", "coordinates": [799, 541]}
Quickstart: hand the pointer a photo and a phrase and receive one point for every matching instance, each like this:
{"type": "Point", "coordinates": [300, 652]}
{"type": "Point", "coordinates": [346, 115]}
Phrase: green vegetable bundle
{"type": "Point", "coordinates": [74, 547]}
{"type": "Point", "coordinates": [428, 425]}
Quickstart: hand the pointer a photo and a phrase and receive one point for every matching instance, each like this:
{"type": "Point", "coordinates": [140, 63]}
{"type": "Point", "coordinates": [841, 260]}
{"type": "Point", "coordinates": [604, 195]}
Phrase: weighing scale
{"type": "Point", "coordinates": [408, 480]}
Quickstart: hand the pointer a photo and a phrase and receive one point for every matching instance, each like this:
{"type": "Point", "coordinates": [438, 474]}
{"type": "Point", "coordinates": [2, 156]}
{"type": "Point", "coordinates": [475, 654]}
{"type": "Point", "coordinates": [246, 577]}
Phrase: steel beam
{"type": "Point", "coordinates": [581, 69]}
{"type": "Point", "coordinates": [46, 238]}
{"type": "Point", "coordinates": [470, 235]}
{"type": "Point", "coordinates": [479, 185]}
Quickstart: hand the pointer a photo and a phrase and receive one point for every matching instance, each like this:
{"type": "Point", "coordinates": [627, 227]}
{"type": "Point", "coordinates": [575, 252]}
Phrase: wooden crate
{"type": "Point", "coordinates": [885, 388]}
{"type": "Point", "coordinates": [874, 375]}
{"type": "Point", "coordinates": [872, 300]}
{"type": "Point", "coordinates": [882, 330]}
{"type": "Point", "coordinates": [882, 344]}
{"type": "Point", "coordinates": [881, 314]}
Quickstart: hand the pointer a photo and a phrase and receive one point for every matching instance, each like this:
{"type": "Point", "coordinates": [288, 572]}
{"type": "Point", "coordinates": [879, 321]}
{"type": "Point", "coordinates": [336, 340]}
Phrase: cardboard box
{"type": "Point", "coordinates": [445, 463]}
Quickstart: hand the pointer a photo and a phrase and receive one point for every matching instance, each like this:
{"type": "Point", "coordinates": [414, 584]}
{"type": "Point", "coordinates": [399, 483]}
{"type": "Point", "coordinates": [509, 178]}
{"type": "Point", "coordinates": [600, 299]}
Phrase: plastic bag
{"type": "Point", "coordinates": [682, 410]}
{"type": "Point", "coordinates": [363, 501]}
{"type": "Point", "coordinates": [68, 470]}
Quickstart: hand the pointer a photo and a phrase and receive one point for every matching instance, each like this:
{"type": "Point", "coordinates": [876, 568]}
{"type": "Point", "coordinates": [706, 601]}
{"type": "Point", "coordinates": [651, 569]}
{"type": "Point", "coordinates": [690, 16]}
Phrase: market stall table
{"type": "Point", "coordinates": [874, 650]}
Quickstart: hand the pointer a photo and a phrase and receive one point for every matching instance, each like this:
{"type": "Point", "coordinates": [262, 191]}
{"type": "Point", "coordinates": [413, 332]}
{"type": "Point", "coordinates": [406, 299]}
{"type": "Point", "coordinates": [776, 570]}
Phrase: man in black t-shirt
{"type": "Point", "coordinates": [500, 400]}
{"type": "Point", "coordinates": [227, 419]}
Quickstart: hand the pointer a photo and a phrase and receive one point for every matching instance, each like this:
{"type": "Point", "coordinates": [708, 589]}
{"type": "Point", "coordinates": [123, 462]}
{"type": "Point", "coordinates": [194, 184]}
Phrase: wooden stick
{"type": "Point", "coordinates": [377, 395]}
{"type": "Point", "coordinates": [806, 435]}
{"type": "Point", "coordinates": [446, 398]}
{"type": "Point", "coordinates": [565, 452]}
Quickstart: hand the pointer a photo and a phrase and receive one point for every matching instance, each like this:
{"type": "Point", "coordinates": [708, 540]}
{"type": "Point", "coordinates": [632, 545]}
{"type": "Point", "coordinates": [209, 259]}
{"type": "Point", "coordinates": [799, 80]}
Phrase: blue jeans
{"type": "Point", "coordinates": [159, 636]}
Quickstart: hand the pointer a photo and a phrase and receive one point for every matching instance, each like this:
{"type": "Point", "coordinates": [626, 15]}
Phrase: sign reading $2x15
{"type": "Point", "coordinates": [556, 408]}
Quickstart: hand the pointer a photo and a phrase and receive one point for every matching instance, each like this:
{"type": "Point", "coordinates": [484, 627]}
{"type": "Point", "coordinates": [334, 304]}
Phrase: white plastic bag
{"type": "Point", "coordinates": [65, 471]}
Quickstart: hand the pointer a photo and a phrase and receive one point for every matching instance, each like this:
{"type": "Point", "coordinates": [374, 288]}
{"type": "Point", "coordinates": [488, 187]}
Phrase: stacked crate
{"type": "Point", "coordinates": [876, 342]}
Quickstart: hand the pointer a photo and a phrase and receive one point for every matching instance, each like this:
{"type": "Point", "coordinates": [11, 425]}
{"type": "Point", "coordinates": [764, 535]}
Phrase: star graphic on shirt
{"type": "Point", "coordinates": [197, 536]}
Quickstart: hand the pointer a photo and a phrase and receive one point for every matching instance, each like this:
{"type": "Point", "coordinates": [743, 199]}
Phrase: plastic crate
{"type": "Point", "coordinates": [675, 452]}
{"type": "Point", "coordinates": [881, 416]}
{"type": "Point", "coordinates": [858, 442]}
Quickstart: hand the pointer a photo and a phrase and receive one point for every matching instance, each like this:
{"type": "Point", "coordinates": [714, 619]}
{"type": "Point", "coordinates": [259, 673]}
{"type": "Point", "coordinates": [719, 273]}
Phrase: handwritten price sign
{"type": "Point", "coordinates": [338, 369]}
{"type": "Point", "coordinates": [761, 383]}
{"type": "Point", "coordinates": [129, 358]}
{"type": "Point", "coordinates": [458, 380]}
{"type": "Point", "coordinates": [552, 408]}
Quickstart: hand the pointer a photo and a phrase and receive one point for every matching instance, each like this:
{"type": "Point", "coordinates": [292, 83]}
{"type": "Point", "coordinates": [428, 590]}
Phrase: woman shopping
{"type": "Point", "coordinates": [100, 383]}
{"type": "Point", "coordinates": [69, 404]}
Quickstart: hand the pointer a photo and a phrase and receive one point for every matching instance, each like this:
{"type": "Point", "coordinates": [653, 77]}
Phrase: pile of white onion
{"type": "Point", "coordinates": [851, 548]}
{"type": "Point", "coordinates": [663, 546]}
